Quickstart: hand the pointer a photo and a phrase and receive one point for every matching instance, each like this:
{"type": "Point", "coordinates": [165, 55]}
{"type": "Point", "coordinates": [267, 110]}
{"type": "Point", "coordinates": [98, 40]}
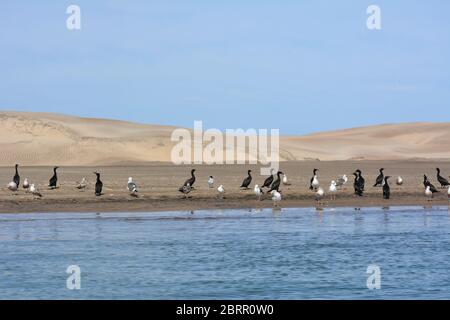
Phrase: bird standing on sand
{"type": "Point", "coordinates": [399, 181]}
{"type": "Point", "coordinates": [380, 179]}
{"type": "Point", "coordinates": [98, 185]}
{"type": "Point", "coordinates": [341, 181]}
{"type": "Point", "coordinates": [386, 188]}
{"type": "Point", "coordinates": [361, 180]}
{"type": "Point", "coordinates": [189, 181]}
{"type": "Point", "coordinates": [16, 178]}
{"type": "Point", "coordinates": [34, 191]}
{"type": "Point", "coordinates": [333, 190]}
{"type": "Point", "coordinates": [285, 180]}
{"type": "Point", "coordinates": [314, 183]}
{"type": "Point", "coordinates": [268, 182]}
{"type": "Point", "coordinates": [211, 182]}
{"type": "Point", "coordinates": [448, 193]}
{"type": "Point", "coordinates": [427, 183]}
{"type": "Point", "coordinates": [258, 192]}
{"type": "Point", "coordinates": [221, 191]}
{"type": "Point", "coordinates": [12, 186]}
{"type": "Point", "coordinates": [276, 198]}
{"type": "Point", "coordinates": [132, 188]}
{"type": "Point", "coordinates": [186, 190]}
{"type": "Point", "coordinates": [26, 184]}
{"type": "Point", "coordinates": [82, 184]}
{"type": "Point", "coordinates": [54, 179]}
{"type": "Point", "coordinates": [247, 180]}
{"type": "Point", "coordinates": [357, 185]}
{"type": "Point", "coordinates": [444, 182]}
{"type": "Point", "coordinates": [320, 193]}
{"type": "Point", "coordinates": [276, 183]}
{"type": "Point", "coordinates": [428, 193]}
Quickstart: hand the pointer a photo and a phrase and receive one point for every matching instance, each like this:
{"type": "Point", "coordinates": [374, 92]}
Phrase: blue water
{"type": "Point", "coordinates": [229, 254]}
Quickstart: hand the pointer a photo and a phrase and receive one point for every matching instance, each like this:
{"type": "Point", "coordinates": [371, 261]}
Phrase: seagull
{"type": "Point", "coordinates": [314, 183]}
{"type": "Point", "coordinates": [132, 188]}
{"type": "Point", "coordinates": [16, 178]}
{"type": "Point", "coordinates": [399, 181]}
{"type": "Point", "coordinates": [12, 186]}
{"type": "Point", "coordinates": [54, 179]}
{"type": "Point", "coordinates": [448, 193]}
{"type": "Point", "coordinates": [186, 190]}
{"type": "Point", "coordinates": [428, 193]}
{"type": "Point", "coordinates": [211, 182]}
{"type": "Point", "coordinates": [333, 190]}
{"type": "Point", "coordinates": [258, 192]}
{"type": "Point", "coordinates": [189, 181]}
{"type": "Point", "coordinates": [285, 180]}
{"type": "Point", "coordinates": [268, 182]}
{"type": "Point", "coordinates": [444, 182]}
{"type": "Point", "coordinates": [341, 180]}
{"type": "Point", "coordinates": [82, 184]}
{"type": "Point", "coordinates": [380, 179]}
{"type": "Point", "coordinates": [98, 185]}
{"type": "Point", "coordinates": [276, 197]}
{"type": "Point", "coordinates": [221, 191]}
{"type": "Point", "coordinates": [319, 195]}
{"type": "Point", "coordinates": [386, 188]}
{"type": "Point", "coordinates": [26, 184]}
{"type": "Point", "coordinates": [35, 191]}
{"type": "Point", "coordinates": [247, 180]}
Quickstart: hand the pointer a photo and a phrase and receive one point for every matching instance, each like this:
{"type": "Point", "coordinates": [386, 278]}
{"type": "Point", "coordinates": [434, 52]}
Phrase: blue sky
{"type": "Point", "coordinates": [300, 66]}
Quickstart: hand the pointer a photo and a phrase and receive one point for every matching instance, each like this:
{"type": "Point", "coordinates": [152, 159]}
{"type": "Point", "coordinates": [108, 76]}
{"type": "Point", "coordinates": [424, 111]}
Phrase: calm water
{"type": "Point", "coordinates": [232, 254]}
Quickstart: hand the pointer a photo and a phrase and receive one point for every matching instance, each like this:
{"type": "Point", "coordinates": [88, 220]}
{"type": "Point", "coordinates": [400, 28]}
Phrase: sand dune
{"type": "Point", "coordinates": [47, 139]}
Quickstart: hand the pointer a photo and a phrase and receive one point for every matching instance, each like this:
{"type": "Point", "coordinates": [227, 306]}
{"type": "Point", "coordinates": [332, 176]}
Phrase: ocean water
{"type": "Point", "coordinates": [228, 254]}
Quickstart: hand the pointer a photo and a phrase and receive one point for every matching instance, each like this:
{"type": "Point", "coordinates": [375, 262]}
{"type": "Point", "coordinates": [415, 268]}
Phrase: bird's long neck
{"type": "Point", "coordinates": [17, 172]}
{"type": "Point", "coordinates": [98, 178]}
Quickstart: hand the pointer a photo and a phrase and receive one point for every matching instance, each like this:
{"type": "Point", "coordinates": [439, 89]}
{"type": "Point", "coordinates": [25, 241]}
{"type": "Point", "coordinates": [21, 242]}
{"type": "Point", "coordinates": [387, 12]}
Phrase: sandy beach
{"type": "Point", "coordinates": [158, 184]}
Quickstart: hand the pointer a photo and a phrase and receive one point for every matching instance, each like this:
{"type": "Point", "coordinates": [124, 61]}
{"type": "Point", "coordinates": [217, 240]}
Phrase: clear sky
{"type": "Point", "coordinates": [300, 66]}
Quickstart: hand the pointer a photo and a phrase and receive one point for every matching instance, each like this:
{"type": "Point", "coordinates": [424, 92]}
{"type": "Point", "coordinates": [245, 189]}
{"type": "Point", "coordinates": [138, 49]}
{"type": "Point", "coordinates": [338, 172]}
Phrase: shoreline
{"type": "Point", "coordinates": [193, 204]}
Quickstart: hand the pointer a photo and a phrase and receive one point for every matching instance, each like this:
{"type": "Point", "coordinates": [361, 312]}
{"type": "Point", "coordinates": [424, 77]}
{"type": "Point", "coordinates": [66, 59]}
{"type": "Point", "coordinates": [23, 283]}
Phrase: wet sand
{"type": "Point", "coordinates": [158, 184]}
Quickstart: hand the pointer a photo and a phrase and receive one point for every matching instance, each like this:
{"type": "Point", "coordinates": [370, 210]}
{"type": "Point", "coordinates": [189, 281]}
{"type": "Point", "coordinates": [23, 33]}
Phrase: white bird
{"type": "Point", "coordinates": [221, 191]}
{"type": "Point", "coordinates": [211, 182]}
{"type": "Point", "coordinates": [341, 180]}
{"type": "Point", "coordinates": [12, 186]}
{"type": "Point", "coordinates": [276, 197]}
{"type": "Point", "coordinates": [320, 193]}
{"type": "Point", "coordinates": [428, 193]}
{"type": "Point", "coordinates": [132, 188]}
{"type": "Point", "coordinates": [258, 192]}
{"type": "Point", "coordinates": [35, 191]}
{"type": "Point", "coordinates": [399, 181]}
{"type": "Point", "coordinates": [285, 180]}
{"type": "Point", "coordinates": [448, 193]}
{"type": "Point", "coordinates": [26, 184]}
{"type": "Point", "coordinates": [333, 190]}
{"type": "Point", "coordinates": [82, 184]}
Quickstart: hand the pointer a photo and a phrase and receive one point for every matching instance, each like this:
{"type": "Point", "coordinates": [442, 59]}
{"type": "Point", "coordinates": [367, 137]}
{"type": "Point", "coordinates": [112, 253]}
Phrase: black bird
{"type": "Point", "coordinates": [268, 182]}
{"type": "Point", "coordinates": [356, 185]}
{"type": "Point", "coordinates": [427, 183]}
{"type": "Point", "coordinates": [311, 186]}
{"type": "Point", "coordinates": [276, 183]}
{"type": "Point", "coordinates": [361, 180]}
{"type": "Point", "coordinates": [16, 177]}
{"type": "Point", "coordinates": [386, 188]}
{"type": "Point", "coordinates": [98, 185]}
{"type": "Point", "coordinates": [189, 181]}
{"type": "Point", "coordinates": [444, 182]}
{"type": "Point", "coordinates": [380, 179]}
{"type": "Point", "coordinates": [54, 179]}
{"type": "Point", "coordinates": [247, 180]}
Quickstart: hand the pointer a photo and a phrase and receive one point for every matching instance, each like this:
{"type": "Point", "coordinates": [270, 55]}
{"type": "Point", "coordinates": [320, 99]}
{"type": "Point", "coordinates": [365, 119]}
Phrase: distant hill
{"type": "Point", "coordinates": [47, 139]}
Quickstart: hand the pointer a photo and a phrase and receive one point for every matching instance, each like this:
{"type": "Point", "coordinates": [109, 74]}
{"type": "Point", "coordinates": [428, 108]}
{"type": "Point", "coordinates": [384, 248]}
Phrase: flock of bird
{"type": "Point", "coordinates": [270, 186]}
